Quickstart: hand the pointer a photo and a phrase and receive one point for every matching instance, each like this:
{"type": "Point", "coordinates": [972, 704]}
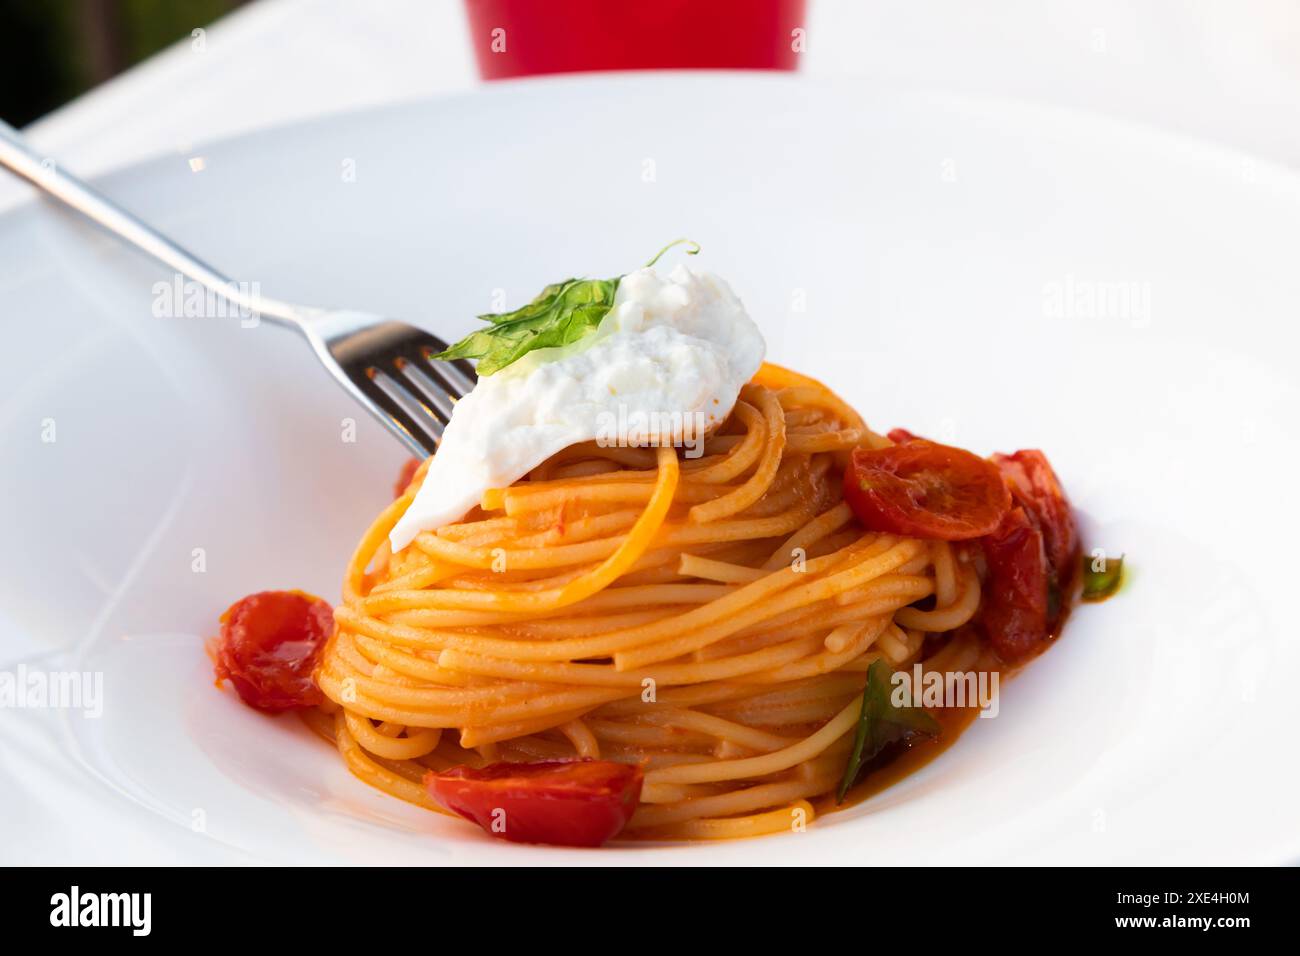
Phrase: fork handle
{"type": "Point", "coordinates": [45, 174]}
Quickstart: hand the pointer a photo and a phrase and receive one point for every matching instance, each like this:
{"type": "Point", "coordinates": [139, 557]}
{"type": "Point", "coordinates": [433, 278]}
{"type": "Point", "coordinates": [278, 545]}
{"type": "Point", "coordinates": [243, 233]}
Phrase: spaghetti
{"type": "Point", "coordinates": [710, 619]}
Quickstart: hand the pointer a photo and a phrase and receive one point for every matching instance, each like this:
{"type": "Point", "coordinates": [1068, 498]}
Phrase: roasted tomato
{"type": "Point", "coordinates": [1014, 611]}
{"type": "Point", "coordinates": [925, 490]}
{"type": "Point", "coordinates": [901, 436]}
{"type": "Point", "coordinates": [564, 802]}
{"type": "Point", "coordinates": [1035, 487]}
{"type": "Point", "coordinates": [268, 647]}
{"type": "Point", "coordinates": [404, 476]}
{"type": "Point", "coordinates": [1031, 558]}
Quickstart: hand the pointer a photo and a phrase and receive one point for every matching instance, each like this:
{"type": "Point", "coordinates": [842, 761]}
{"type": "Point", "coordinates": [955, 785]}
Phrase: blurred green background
{"type": "Point", "coordinates": [53, 50]}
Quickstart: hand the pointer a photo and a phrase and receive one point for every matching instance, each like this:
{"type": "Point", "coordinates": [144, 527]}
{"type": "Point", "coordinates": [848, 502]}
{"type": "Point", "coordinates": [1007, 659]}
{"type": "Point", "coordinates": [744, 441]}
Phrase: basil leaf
{"type": "Point", "coordinates": [1102, 576]}
{"type": "Point", "coordinates": [562, 313]}
{"type": "Point", "coordinates": [881, 724]}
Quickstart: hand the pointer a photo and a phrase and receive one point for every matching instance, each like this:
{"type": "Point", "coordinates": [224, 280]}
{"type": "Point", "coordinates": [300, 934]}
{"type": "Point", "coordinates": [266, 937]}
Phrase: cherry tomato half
{"type": "Point", "coordinates": [901, 436]}
{"type": "Point", "coordinates": [1031, 558]}
{"type": "Point", "coordinates": [268, 648]}
{"type": "Point", "coordinates": [926, 490]}
{"type": "Point", "coordinates": [564, 802]}
{"type": "Point", "coordinates": [1013, 609]}
{"type": "Point", "coordinates": [1035, 487]}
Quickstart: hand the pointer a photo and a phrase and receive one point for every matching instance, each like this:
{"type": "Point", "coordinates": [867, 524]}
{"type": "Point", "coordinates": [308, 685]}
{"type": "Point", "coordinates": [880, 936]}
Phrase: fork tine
{"type": "Point", "coordinates": [426, 386]}
{"type": "Point", "coordinates": [458, 374]}
{"type": "Point", "coordinates": [421, 426]}
{"type": "Point", "coordinates": [386, 365]}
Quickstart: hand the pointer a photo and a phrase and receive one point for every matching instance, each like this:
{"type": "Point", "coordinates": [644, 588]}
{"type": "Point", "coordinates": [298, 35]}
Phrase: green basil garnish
{"type": "Point", "coordinates": [1102, 576]}
{"type": "Point", "coordinates": [561, 314]}
{"type": "Point", "coordinates": [881, 723]}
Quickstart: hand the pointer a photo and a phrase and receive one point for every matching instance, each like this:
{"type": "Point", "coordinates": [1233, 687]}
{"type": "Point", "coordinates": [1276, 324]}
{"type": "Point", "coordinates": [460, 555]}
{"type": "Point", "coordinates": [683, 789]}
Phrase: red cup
{"type": "Point", "coordinates": [528, 37]}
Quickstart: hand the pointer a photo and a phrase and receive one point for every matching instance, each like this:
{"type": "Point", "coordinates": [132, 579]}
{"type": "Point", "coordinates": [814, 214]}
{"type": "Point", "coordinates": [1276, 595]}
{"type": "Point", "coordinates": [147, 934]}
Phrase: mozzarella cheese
{"type": "Point", "coordinates": [666, 363]}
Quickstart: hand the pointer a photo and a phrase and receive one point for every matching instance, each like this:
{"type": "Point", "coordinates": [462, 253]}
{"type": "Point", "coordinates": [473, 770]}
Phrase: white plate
{"type": "Point", "coordinates": [929, 256]}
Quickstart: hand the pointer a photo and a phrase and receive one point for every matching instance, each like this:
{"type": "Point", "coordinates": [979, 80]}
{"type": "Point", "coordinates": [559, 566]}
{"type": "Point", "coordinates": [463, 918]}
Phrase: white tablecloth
{"type": "Point", "coordinates": [1227, 70]}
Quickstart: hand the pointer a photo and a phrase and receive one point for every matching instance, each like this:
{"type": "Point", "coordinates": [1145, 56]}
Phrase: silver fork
{"type": "Point", "coordinates": [383, 364]}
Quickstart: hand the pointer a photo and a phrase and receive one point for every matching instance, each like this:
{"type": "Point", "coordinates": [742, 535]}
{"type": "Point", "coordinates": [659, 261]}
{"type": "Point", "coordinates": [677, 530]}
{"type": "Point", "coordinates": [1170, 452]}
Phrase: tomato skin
{"type": "Point", "coordinates": [1013, 608]}
{"type": "Point", "coordinates": [925, 490]}
{"type": "Point", "coordinates": [1035, 487]}
{"type": "Point", "coordinates": [561, 802]}
{"type": "Point", "coordinates": [269, 645]}
{"type": "Point", "coordinates": [405, 476]}
{"type": "Point", "coordinates": [901, 436]}
{"type": "Point", "coordinates": [1031, 558]}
